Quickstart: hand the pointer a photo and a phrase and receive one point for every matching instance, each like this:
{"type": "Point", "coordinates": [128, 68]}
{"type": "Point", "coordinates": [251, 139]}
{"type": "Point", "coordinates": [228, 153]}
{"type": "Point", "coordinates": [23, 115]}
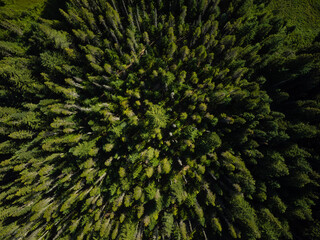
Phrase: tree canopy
{"type": "Point", "coordinates": [158, 120]}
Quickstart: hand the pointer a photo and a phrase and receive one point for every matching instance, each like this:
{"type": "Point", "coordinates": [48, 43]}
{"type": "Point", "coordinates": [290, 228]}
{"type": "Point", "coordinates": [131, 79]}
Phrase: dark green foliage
{"type": "Point", "coordinates": [158, 120]}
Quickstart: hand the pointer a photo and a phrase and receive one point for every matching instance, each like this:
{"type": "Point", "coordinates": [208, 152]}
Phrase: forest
{"type": "Point", "coordinates": [159, 119]}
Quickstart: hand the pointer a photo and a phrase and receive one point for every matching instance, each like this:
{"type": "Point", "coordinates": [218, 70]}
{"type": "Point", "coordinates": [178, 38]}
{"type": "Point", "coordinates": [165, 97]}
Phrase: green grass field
{"type": "Point", "coordinates": [304, 14]}
{"type": "Point", "coordinates": [16, 8]}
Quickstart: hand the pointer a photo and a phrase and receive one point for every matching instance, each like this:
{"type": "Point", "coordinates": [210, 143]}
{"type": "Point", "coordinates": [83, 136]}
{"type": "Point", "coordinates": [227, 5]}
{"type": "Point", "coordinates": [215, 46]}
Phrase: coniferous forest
{"type": "Point", "coordinates": [159, 119]}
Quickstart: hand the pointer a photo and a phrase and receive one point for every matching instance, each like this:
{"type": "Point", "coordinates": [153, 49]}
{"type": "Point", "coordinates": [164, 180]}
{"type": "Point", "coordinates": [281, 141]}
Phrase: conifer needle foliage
{"type": "Point", "coordinates": [147, 120]}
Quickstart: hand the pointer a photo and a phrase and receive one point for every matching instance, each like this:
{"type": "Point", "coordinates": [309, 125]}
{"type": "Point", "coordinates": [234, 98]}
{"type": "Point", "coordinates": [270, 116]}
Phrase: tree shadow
{"type": "Point", "coordinates": [51, 10]}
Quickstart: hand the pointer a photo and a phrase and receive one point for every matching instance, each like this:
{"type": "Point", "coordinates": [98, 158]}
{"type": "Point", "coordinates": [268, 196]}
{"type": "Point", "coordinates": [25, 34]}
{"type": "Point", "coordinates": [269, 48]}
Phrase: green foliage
{"type": "Point", "coordinates": [157, 116]}
{"type": "Point", "coordinates": [167, 223]}
{"type": "Point", "coordinates": [85, 149]}
{"type": "Point", "coordinates": [157, 120]}
{"type": "Point", "coordinates": [12, 9]}
{"type": "Point", "coordinates": [303, 15]}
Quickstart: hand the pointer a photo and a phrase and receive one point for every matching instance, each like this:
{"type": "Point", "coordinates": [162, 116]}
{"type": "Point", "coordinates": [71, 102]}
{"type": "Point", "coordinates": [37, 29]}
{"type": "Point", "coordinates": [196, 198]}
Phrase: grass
{"type": "Point", "coordinates": [19, 8]}
{"type": "Point", "coordinates": [304, 14]}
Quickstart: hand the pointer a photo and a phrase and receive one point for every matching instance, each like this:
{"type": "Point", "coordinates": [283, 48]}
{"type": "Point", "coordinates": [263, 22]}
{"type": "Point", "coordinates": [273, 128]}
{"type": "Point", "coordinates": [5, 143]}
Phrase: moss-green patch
{"type": "Point", "coordinates": [304, 14]}
{"type": "Point", "coordinates": [17, 8]}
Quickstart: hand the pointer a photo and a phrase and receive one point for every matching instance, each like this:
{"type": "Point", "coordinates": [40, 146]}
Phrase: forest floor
{"type": "Point", "coordinates": [16, 8]}
{"type": "Point", "coordinates": [304, 14]}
